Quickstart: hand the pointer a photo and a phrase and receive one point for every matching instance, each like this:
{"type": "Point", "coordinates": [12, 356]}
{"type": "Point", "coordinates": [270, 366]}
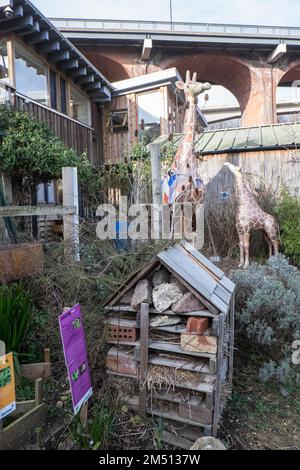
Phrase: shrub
{"type": "Point", "coordinates": [30, 151]}
{"type": "Point", "coordinates": [222, 223]}
{"type": "Point", "coordinates": [268, 307]}
{"type": "Point", "coordinates": [288, 213]}
{"type": "Point", "coordinates": [16, 311]}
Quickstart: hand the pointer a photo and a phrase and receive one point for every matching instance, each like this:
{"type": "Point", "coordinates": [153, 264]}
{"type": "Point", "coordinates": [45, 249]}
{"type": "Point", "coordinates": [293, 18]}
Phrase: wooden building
{"type": "Point", "coordinates": [43, 73]}
{"type": "Point", "coordinates": [270, 154]}
{"type": "Point", "coordinates": [171, 331]}
{"type": "Point", "coordinates": [143, 108]}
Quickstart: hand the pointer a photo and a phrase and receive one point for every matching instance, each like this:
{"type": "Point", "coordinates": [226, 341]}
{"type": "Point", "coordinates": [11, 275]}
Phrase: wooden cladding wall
{"type": "Point", "coordinates": [75, 135]}
{"type": "Point", "coordinates": [276, 168]}
{"type": "Point", "coordinates": [115, 145]}
{"type": "Point", "coordinates": [118, 145]}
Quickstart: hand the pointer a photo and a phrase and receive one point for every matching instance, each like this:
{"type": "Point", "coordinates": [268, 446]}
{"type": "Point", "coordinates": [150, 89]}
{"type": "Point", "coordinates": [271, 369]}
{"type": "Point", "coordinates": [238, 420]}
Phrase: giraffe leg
{"type": "Point", "coordinates": [269, 243]}
{"type": "Point", "coordinates": [246, 247]}
{"type": "Point", "coordinates": [275, 244]}
{"type": "Point", "coordinates": [241, 243]}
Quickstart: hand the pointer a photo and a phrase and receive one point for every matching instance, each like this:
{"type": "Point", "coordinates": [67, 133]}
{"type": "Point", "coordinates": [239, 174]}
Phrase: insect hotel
{"type": "Point", "coordinates": [171, 330]}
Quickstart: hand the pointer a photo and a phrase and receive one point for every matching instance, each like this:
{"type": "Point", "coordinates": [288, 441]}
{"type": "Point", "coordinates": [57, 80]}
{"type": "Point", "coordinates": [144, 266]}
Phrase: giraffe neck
{"type": "Point", "coordinates": [244, 196]}
{"type": "Point", "coordinates": [185, 153]}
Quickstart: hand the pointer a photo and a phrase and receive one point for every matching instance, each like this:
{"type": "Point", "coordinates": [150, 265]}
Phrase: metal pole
{"type": "Point", "coordinates": [171, 14]}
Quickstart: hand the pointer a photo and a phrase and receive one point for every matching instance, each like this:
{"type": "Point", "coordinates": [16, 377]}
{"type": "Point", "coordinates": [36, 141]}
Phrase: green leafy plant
{"type": "Point", "coordinates": [268, 305]}
{"type": "Point", "coordinates": [288, 213]}
{"type": "Point", "coordinates": [16, 312]}
{"type": "Point", "coordinates": [30, 152]}
{"type": "Point", "coordinates": [99, 430]}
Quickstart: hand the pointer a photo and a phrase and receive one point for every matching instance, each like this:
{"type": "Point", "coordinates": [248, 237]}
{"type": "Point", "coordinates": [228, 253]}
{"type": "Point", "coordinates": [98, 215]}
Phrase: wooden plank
{"type": "Point", "coordinates": [177, 441]}
{"type": "Point", "coordinates": [118, 374]}
{"type": "Point", "coordinates": [171, 347]}
{"type": "Point", "coordinates": [38, 391]}
{"type": "Point", "coordinates": [36, 371]}
{"type": "Point", "coordinates": [231, 343]}
{"type": "Point", "coordinates": [46, 355]}
{"type": "Point", "coordinates": [23, 407]}
{"type": "Point", "coordinates": [121, 322]}
{"type": "Point", "coordinates": [132, 404]}
{"type": "Point", "coordinates": [203, 261]}
{"type": "Point", "coordinates": [176, 417]}
{"type": "Point", "coordinates": [143, 369]}
{"type": "Point", "coordinates": [188, 268]}
{"type": "Point", "coordinates": [25, 211]}
{"type": "Point", "coordinates": [216, 416]}
{"type": "Point", "coordinates": [128, 308]}
{"type": "Point", "coordinates": [133, 279]}
{"type": "Point", "coordinates": [124, 343]}
{"type": "Point", "coordinates": [183, 364]}
{"type": "Point", "coordinates": [17, 433]}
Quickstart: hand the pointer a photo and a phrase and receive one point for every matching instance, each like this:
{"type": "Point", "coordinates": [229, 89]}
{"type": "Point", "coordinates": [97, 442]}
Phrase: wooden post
{"type": "Point", "coordinates": [156, 173]}
{"type": "Point", "coordinates": [47, 355]}
{"type": "Point", "coordinates": [217, 402]}
{"type": "Point", "coordinates": [83, 414]}
{"type": "Point", "coordinates": [231, 335]}
{"type": "Point", "coordinates": [71, 222]}
{"type": "Point", "coordinates": [144, 343]}
{"type": "Point", "coordinates": [38, 388]}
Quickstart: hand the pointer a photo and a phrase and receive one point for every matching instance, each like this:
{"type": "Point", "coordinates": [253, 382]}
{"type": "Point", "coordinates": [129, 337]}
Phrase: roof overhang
{"type": "Point", "coordinates": [152, 81]}
{"type": "Point", "coordinates": [147, 82]}
{"type": "Point", "coordinates": [22, 18]}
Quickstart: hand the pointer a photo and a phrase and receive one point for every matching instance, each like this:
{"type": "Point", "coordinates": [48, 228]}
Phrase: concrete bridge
{"type": "Point", "coordinates": [250, 61]}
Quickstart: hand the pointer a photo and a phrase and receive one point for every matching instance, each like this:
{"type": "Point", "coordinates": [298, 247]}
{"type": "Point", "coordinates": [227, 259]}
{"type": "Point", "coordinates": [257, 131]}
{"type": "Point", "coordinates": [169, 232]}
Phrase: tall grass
{"type": "Point", "coordinates": [16, 312]}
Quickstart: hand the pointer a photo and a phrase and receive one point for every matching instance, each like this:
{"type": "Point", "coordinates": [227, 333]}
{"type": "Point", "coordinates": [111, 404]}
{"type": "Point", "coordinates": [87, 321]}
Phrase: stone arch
{"type": "Point", "coordinates": [111, 67]}
{"type": "Point", "coordinates": [285, 78]}
{"type": "Point", "coordinates": [229, 72]}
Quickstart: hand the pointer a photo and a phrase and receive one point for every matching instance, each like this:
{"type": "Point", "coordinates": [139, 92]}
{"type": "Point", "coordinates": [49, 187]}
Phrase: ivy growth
{"type": "Point", "coordinates": [30, 151]}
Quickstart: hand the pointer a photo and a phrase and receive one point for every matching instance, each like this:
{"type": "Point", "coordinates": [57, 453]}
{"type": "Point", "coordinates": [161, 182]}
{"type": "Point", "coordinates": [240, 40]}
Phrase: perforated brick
{"type": "Point", "coordinates": [120, 334]}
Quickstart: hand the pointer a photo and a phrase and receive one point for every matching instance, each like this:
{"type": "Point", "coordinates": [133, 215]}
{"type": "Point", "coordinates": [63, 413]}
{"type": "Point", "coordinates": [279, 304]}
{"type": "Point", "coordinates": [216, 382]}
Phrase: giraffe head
{"type": "Point", "coordinates": [191, 87]}
{"type": "Point", "coordinates": [236, 170]}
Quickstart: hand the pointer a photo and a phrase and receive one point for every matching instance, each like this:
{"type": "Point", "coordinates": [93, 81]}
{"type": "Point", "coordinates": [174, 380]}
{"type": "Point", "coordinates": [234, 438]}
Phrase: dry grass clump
{"type": "Point", "coordinates": [161, 377]}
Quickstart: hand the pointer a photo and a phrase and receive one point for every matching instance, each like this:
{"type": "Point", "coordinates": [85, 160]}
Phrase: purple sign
{"type": "Point", "coordinates": [73, 339]}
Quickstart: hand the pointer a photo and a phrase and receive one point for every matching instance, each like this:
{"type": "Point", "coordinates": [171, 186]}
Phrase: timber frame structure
{"type": "Point", "coordinates": [134, 351]}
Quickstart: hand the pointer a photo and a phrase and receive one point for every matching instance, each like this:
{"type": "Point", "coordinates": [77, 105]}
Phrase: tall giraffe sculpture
{"type": "Point", "coordinates": [186, 183]}
{"type": "Point", "coordinates": [249, 217]}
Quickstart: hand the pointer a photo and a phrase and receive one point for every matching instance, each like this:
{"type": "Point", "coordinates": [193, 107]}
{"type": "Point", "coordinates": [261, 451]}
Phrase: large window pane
{"type": "Point", "coordinates": [149, 112]}
{"type": "Point", "coordinates": [31, 75]}
{"type": "Point", "coordinates": [3, 61]}
{"type": "Point", "coordinates": [53, 94]}
{"type": "Point", "coordinates": [63, 95]}
{"type": "Point", "coordinates": [80, 107]}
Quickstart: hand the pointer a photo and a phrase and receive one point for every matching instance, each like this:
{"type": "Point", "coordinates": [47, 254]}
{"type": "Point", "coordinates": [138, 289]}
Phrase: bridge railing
{"type": "Point", "coordinates": [177, 27]}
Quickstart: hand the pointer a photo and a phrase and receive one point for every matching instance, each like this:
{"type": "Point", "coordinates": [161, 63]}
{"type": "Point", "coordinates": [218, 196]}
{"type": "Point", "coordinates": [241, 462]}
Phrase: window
{"type": "Point", "coordinates": [118, 121]}
{"type": "Point", "coordinates": [80, 106]}
{"type": "Point", "coordinates": [31, 75]}
{"type": "Point", "coordinates": [53, 92]}
{"type": "Point", "coordinates": [149, 113]}
{"type": "Point", "coordinates": [63, 96]}
{"type": "Point", "coordinates": [45, 193]}
{"type": "Point", "coordinates": [3, 61]}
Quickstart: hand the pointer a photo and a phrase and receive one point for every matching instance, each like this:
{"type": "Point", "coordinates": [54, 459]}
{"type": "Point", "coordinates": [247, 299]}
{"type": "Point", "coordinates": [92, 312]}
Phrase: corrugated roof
{"type": "Point", "coordinates": [243, 139]}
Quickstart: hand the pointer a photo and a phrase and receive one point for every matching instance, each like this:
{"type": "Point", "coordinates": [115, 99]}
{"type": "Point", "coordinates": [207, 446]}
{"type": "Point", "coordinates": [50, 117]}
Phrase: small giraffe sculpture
{"type": "Point", "coordinates": [251, 217]}
{"type": "Point", "coordinates": [187, 185]}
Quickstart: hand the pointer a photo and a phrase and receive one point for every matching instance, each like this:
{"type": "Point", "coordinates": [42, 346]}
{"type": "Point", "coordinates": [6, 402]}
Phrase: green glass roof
{"type": "Point", "coordinates": [243, 139]}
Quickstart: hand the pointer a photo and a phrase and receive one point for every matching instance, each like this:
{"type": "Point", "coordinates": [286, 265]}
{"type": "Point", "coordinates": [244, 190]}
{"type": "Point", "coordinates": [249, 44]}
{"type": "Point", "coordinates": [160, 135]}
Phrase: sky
{"type": "Point", "coordinates": [263, 12]}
